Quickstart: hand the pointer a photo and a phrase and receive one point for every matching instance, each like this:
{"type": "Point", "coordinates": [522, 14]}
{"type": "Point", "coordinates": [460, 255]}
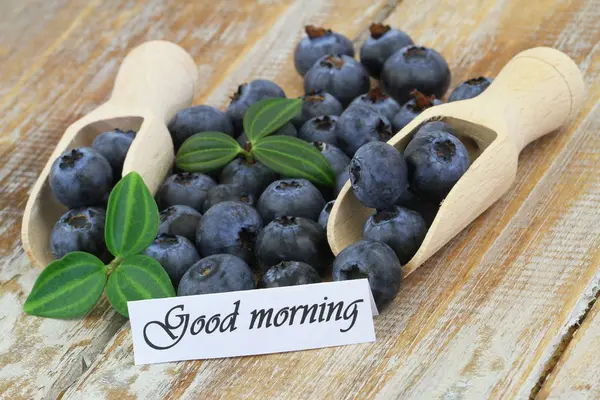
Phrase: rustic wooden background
{"type": "Point", "coordinates": [506, 310]}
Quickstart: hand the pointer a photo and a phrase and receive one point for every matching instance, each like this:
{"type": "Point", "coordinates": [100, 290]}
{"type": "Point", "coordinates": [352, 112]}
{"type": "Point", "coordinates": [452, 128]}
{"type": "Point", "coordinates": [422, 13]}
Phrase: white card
{"type": "Point", "coordinates": [252, 322]}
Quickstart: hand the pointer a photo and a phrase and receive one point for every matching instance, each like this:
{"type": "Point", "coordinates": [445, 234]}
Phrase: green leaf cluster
{"type": "Point", "coordinates": [71, 286]}
{"type": "Point", "coordinates": [289, 156]}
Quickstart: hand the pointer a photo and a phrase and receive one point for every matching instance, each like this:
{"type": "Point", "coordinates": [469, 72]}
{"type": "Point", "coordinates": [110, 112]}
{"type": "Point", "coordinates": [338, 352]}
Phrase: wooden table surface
{"type": "Point", "coordinates": [506, 310]}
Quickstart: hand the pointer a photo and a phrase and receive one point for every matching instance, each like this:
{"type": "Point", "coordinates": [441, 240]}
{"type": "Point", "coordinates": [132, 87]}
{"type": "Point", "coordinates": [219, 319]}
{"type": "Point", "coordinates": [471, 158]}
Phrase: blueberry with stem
{"type": "Point", "coordinates": [317, 43]}
{"type": "Point", "coordinates": [412, 108]}
{"type": "Point", "coordinates": [340, 75]}
{"type": "Point", "coordinates": [382, 42]}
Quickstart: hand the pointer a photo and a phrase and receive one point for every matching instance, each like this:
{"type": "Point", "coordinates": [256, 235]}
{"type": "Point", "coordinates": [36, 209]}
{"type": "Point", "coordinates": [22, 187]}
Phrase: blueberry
{"type": "Point", "coordinates": [251, 176]}
{"type": "Point", "coordinates": [179, 220]}
{"type": "Point", "coordinates": [289, 273]}
{"type": "Point", "coordinates": [340, 75]}
{"type": "Point", "coordinates": [80, 229]}
{"type": "Point", "coordinates": [286, 130]}
{"type": "Point", "coordinates": [341, 179]}
{"type": "Point", "coordinates": [227, 192]}
{"type": "Point", "coordinates": [426, 208]}
{"type": "Point", "coordinates": [378, 175]}
{"type": "Point", "coordinates": [324, 216]}
{"type": "Point", "coordinates": [175, 253]}
{"type": "Point", "coordinates": [187, 188]}
{"type": "Point", "coordinates": [290, 197]}
{"type": "Point", "coordinates": [469, 89]}
{"type": "Point", "coordinates": [435, 163]}
{"type": "Point", "coordinates": [412, 108]}
{"type": "Point", "coordinates": [359, 125]}
{"type": "Point", "coordinates": [432, 127]}
{"type": "Point", "coordinates": [336, 157]}
{"type": "Point", "coordinates": [375, 261]}
{"type": "Point", "coordinates": [380, 101]}
{"type": "Point", "coordinates": [197, 119]}
{"type": "Point", "coordinates": [316, 44]}
{"type": "Point", "coordinates": [381, 44]}
{"type": "Point", "coordinates": [247, 95]}
{"type": "Point", "coordinates": [229, 227]}
{"type": "Point", "coordinates": [81, 177]}
{"type": "Point", "coordinates": [113, 145]}
{"type": "Point", "coordinates": [415, 67]}
{"type": "Point", "coordinates": [216, 274]}
{"type": "Point", "coordinates": [293, 239]}
{"type": "Point", "coordinates": [319, 129]}
{"type": "Point", "coordinates": [398, 227]}
{"type": "Point", "coordinates": [317, 104]}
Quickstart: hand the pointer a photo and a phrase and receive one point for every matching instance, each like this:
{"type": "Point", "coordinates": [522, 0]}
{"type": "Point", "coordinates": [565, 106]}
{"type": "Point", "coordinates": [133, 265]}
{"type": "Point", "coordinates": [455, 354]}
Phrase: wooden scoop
{"type": "Point", "coordinates": [156, 80]}
{"type": "Point", "coordinates": [534, 94]}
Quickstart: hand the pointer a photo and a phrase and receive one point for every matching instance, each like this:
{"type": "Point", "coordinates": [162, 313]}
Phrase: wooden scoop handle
{"type": "Point", "coordinates": [158, 78]}
{"type": "Point", "coordinates": [535, 93]}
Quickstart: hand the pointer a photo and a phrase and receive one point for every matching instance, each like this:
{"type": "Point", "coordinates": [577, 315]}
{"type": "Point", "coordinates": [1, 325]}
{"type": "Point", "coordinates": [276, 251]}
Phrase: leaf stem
{"type": "Point", "coordinates": [114, 264]}
{"type": "Point", "coordinates": [248, 155]}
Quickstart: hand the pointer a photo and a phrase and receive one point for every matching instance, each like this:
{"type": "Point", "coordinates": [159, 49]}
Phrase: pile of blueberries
{"type": "Point", "coordinates": [245, 226]}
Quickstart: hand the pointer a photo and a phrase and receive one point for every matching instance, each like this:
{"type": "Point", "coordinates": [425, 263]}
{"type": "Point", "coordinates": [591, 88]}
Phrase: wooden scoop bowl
{"type": "Point", "coordinates": [156, 80]}
{"type": "Point", "coordinates": [534, 94]}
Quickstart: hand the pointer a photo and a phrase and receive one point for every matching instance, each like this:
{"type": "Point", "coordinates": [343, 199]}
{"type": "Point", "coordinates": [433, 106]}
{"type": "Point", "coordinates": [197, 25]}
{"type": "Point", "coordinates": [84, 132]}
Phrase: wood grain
{"type": "Point", "coordinates": [484, 316]}
{"type": "Point", "coordinates": [58, 74]}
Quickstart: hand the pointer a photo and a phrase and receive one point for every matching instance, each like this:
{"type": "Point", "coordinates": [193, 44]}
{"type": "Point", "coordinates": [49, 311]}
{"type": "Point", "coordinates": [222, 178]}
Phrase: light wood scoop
{"type": "Point", "coordinates": [155, 80]}
{"type": "Point", "coordinates": [534, 94]}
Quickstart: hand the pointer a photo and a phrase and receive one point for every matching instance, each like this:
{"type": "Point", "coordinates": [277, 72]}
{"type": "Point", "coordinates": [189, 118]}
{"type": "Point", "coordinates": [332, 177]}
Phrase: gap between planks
{"type": "Point", "coordinates": [564, 344]}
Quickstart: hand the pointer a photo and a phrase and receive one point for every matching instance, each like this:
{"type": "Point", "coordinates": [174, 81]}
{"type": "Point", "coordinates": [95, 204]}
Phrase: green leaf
{"type": "Point", "coordinates": [131, 217]}
{"type": "Point", "coordinates": [207, 151]}
{"type": "Point", "coordinates": [266, 116]}
{"type": "Point", "coordinates": [295, 158]}
{"type": "Point", "coordinates": [137, 278]}
{"type": "Point", "coordinates": [68, 287]}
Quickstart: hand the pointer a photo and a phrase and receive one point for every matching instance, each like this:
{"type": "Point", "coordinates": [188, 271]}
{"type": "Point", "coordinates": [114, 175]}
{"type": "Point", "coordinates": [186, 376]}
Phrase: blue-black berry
{"type": "Point", "coordinates": [381, 44]}
{"type": "Point", "coordinates": [317, 43]}
{"type": "Point", "coordinates": [378, 175]}
{"type": "Point", "coordinates": [81, 229]}
{"type": "Point", "coordinates": [436, 161]}
{"type": "Point", "coordinates": [374, 261]}
{"type": "Point", "coordinates": [412, 108]}
{"type": "Point", "coordinates": [290, 197]}
{"type": "Point", "coordinates": [230, 227]}
{"type": "Point", "coordinates": [293, 239]}
{"type": "Point", "coordinates": [114, 145]}
{"type": "Point", "coordinates": [317, 104]}
{"type": "Point", "coordinates": [469, 89]}
{"type": "Point", "coordinates": [216, 274]}
{"type": "Point", "coordinates": [179, 220]}
{"type": "Point", "coordinates": [380, 101]}
{"type": "Point", "coordinates": [415, 67]}
{"type": "Point", "coordinates": [81, 178]}
{"type": "Point", "coordinates": [340, 75]}
{"type": "Point", "coordinates": [186, 188]}
{"type": "Point", "coordinates": [289, 273]}
{"type": "Point", "coordinates": [359, 125]}
{"type": "Point", "coordinates": [176, 254]}
{"type": "Point", "coordinates": [197, 119]}
{"type": "Point", "coordinates": [247, 95]}
{"type": "Point", "coordinates": [250, 176]}
{"type": "Point", "coordinates": [400, 228]}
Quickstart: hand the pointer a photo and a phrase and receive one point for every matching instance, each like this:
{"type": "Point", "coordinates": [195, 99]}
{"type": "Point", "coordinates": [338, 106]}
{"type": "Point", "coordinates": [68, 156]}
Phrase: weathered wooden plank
{"type": "Point", "coordinates": [483, 317]}
{"type": "Point", "coordinates": [577, 376]}
{"type": "Point", "coordinates": [71, 72]}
